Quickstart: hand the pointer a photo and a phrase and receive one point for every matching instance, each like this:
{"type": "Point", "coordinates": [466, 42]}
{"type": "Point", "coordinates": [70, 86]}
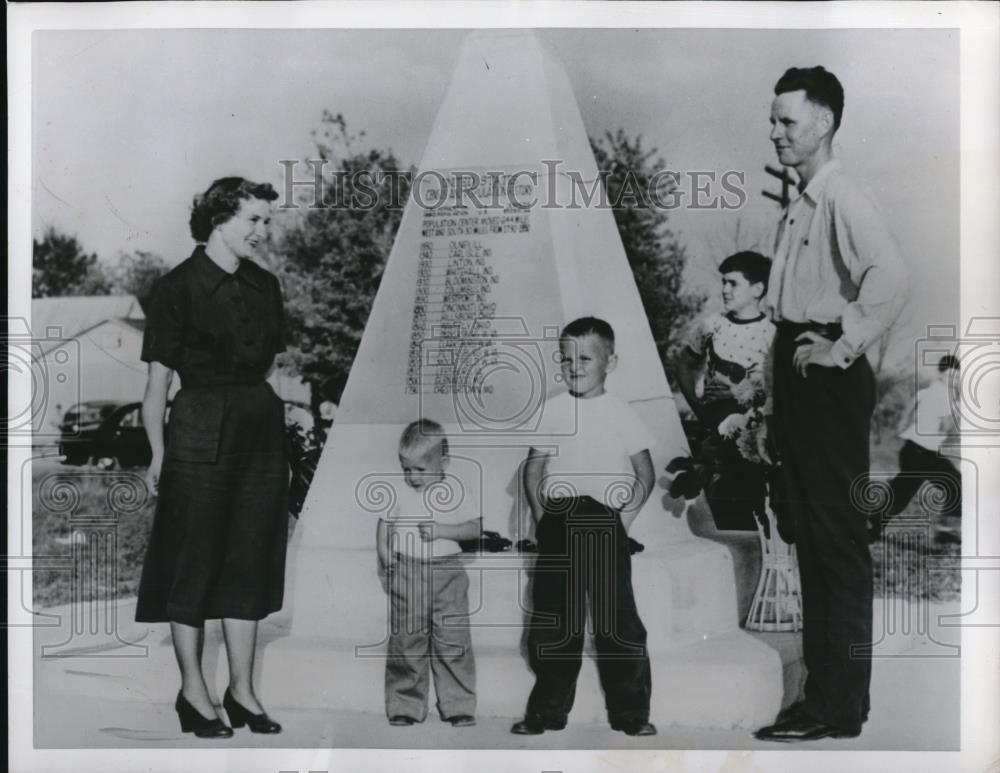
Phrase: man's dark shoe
{"type": "Point", "coordinates": [535, 726]}
{"type": "Point", "coordinates": [802, 728]}
{"type": "Point", "coordinates": [790, 711]}
{"type": "Point", "coordinates": [634, 727]}
{"type": "Point", "coordinates": [797, 710]}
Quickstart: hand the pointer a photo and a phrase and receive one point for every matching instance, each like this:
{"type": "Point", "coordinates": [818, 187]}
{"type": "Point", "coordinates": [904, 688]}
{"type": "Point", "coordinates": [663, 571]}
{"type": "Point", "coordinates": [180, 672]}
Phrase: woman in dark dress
{"type": "Point", "coordinates": [217, 547]}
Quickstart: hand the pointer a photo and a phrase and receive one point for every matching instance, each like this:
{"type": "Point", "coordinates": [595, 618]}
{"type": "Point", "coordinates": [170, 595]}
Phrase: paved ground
{"type": "Point", "coordinates": [914, 706]}
{"type": "Point", "coordinates": [88, 702]}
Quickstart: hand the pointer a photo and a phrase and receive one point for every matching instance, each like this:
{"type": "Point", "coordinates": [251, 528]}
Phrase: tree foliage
{"type": "Point", "coordinates": [657, 257]}
{"type": "Point", "coordinates": [60, 266]}
{"type": "Point", "coordinates": [135, 273]}
{"type": "Point", "coordinates": [333, 256]}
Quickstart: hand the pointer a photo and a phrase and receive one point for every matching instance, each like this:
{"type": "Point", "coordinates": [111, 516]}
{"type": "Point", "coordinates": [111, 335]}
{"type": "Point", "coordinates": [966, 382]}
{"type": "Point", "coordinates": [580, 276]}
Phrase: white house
{"type": "Point", "coordinates": [89, 349]}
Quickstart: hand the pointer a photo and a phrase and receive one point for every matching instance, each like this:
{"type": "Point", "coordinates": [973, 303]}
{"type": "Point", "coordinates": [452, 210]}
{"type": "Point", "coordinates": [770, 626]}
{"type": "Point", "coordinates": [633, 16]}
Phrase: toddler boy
{"type": "Point", "coordinates": [420, 570]}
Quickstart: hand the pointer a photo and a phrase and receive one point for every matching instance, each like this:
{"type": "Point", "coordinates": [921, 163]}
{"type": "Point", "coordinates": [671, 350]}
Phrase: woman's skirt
{"type": "Point", "coordinates": [219, 536]}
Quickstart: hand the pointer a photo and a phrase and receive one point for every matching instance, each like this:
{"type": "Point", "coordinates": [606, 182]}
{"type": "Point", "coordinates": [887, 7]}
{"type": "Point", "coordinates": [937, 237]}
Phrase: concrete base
{"type": "Point", "coordinates": [705, 673]}
{"type": "Point", "coordinates": [687, 683]}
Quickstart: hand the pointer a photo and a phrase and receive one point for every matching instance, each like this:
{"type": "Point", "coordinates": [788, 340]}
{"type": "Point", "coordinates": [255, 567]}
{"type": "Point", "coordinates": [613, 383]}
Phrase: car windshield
{"type": "Point", "coordinates": [86, 413]}
{"type": "Point", "coordinates": [132, 418]}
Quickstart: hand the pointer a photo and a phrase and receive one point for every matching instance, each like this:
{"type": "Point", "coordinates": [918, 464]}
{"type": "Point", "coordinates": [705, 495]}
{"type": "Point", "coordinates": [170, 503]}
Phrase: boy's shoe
{"type": "Point", "coordinates": [462, 720]}
{"type": "Point", "coordinates": [402, 721]}
{"type": "Point", "coordinates": [802, 728]}
{"type": "Point", "coordinates": [685, 486]}
{"type": "Point", "coordinates": [679, 464]}
{"type": "Point", "coordinates": [635, 727]}
{"type": "Point", "coordinates": [535, 726]}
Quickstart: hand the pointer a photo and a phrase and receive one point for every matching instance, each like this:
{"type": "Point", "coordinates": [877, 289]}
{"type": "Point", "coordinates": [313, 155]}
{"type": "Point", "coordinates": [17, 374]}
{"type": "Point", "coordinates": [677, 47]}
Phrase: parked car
{"type": "Point", "coordinates": [110, 434]}
{"type": "Point", "coordinates": [107, 433]}
{"type": "Point", "coordinates": [80, 427]}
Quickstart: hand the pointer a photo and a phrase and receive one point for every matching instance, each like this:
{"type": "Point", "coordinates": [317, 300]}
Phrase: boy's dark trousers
{"type": "Point", "coordinates": [821, 429]}
{"type": "Point", "coordinates": [583, 556]}
{"type": "Point", "coordinates": [918, 464]}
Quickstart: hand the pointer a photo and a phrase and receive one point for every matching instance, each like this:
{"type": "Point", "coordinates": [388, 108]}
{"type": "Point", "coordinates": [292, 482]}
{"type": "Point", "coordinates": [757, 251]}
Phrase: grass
{"type": "Point", "coordinates": [908, 569]}
{"type": "Point", "coordinates": [54, 524]}
{"type": "Point", "coordinates": [910, 573]}
{"type": "Point", "coordinates": [57, 528]}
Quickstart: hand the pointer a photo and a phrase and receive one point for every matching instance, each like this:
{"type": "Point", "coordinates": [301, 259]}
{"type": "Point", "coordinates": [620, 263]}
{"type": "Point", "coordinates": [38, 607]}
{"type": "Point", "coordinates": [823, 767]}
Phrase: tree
{"type": "Point", "coordinates": [657, 257]}
{"type": "Point", "coordinates": [734, 232]}
{"type": "Point", "coordinates": [331, 257]}
{"type": "Point", "coordinates": [60, 266]}
{"type": "Point", "coordinates": [135, 274]}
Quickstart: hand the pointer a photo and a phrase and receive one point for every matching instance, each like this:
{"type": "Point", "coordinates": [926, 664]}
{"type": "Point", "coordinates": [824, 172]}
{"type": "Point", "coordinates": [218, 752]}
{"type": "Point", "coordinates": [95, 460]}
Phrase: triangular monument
{"type": "Point", "coordinates": [464, 330]}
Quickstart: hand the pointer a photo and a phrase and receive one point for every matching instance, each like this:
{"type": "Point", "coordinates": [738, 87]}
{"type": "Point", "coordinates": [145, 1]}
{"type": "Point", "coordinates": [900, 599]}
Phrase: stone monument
{"type": "Point", "coordinates": [502, 242]}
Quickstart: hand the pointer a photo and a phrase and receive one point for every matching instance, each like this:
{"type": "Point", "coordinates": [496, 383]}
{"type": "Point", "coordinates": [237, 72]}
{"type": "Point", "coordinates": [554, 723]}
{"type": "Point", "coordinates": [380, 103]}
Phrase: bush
{"type": "Point", "coordinates": [304, 450]}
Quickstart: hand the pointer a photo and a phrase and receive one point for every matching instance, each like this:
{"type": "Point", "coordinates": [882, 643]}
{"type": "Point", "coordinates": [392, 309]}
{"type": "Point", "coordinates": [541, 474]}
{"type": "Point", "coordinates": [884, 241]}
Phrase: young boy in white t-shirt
{"type": "Point", "coordinates": [929, 425]}
{"type": "Point", "coordinates": [420, 570]}
{"type": "Point", "coordinates": [584, 490]}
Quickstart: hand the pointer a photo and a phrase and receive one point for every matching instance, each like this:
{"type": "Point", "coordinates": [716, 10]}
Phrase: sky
{"type": "Point", "coordinates": [129, 125]}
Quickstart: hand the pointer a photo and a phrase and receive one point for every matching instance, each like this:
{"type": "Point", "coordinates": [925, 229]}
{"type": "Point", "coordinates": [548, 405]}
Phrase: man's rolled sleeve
{"type": "Point", "coordinates": [869, 254]}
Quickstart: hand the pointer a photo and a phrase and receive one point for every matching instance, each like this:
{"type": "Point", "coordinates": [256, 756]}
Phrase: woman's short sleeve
{"type": "Point", "coordinates": [163, 338]}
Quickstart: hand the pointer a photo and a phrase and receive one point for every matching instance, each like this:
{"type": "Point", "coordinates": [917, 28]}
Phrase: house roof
{"type": "Point", "coordinates": [130, 325]}
{"type": "Point", "coordinates": [72, 315]}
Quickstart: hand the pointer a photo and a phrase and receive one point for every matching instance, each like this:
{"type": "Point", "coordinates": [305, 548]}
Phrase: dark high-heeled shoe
{"type": "Point", "coordinates": [240, 715]}
{"type": "Point", "coordinates": [193, 721]}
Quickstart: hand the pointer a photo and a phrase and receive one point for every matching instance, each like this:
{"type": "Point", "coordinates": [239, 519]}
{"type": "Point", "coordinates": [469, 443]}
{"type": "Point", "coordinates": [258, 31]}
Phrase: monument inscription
{"type": "Point", "coordinates": [465, 243]}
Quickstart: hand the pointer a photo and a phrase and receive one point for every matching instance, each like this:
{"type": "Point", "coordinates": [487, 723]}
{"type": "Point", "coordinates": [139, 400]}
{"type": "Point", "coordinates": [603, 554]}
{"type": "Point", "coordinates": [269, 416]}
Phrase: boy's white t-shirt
{"type": "Point", "coordinates": [933, 417]}
{"type": "Point", "coordinates": [447, 502]}
{"type": "Point", "coordinates": [590, 442]}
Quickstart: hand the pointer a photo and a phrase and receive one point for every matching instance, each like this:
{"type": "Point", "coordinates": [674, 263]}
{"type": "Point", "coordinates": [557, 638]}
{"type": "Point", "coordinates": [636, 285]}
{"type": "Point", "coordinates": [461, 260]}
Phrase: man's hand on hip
{"type": "Point", "coordinates": [812, 349]}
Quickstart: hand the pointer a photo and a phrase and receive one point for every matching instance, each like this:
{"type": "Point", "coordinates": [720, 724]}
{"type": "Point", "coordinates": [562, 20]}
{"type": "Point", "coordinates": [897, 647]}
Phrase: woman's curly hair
{"type": "Point", "coordinates": [221, 201]}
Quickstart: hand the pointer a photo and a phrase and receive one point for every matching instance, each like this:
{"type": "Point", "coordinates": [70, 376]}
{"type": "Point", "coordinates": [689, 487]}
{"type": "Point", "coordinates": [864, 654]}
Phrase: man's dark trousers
{"type": "Point", "coordinates": [821, 430]}
{"type": "Point", "coordinates": [583, 555]}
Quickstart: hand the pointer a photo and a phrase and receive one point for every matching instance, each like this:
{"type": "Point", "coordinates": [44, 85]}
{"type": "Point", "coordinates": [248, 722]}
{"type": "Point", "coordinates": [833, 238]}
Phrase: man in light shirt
{"type": "Point", "coordinates": [837, 283]}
